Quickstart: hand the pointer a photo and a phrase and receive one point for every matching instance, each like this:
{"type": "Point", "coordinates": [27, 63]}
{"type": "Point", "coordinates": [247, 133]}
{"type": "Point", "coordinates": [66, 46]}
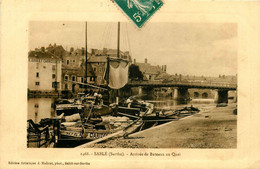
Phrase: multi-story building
{"type": "Point", "coordinates": [98, 61]}
{"type": "Point", "coordinates": [98, 64]}
{"type": "Point", "coordinates": [44, 71]}
{"type": "Point", "coordinates": [112, 53]}
{"type": "Point", "coordinates": [74, 58]}
{"type": "Point", "coordinates": [57, 50]}
{"type": "Point", "coordinates": [70, 77]}
{"type": "Point", "coordinates": [73, 70]}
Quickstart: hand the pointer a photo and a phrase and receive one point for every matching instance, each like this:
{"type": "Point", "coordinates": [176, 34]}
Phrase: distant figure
{"type": "Point", "coordinates": [98, 99]}
{"type": "Point", "coordinates": [128, 102]}
{"type": "Point", "coordinates": [157, 114]}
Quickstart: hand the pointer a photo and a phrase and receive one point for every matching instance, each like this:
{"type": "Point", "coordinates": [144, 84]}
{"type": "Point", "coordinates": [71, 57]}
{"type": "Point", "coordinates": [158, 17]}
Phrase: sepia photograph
{"type": "Point", "coordinates": [110, 85]}
{"type": "Point", "coordinates": [129, 84]}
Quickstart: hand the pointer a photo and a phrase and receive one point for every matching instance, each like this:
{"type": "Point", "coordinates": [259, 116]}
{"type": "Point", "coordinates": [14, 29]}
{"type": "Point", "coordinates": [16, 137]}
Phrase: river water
{"type": "Point", "coordinates": [39, 108]}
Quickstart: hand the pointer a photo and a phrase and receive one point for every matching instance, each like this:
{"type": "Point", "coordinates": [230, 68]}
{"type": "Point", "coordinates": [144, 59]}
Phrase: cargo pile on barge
{"type": "Point", "coordinates": [87, 119]}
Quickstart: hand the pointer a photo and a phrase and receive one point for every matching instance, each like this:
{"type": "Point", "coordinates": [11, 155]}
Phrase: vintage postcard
{"type": "Point", "coordinates": [89, 85]}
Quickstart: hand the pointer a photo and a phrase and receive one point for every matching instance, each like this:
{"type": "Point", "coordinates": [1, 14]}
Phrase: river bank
{"type": "Point", "coordinates": [213, 127]}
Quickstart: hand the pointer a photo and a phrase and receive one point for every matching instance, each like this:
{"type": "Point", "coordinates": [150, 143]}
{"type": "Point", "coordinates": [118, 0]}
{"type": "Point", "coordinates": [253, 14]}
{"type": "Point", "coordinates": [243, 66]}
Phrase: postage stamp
{"type": "Point", "coordinates": [139, 11]}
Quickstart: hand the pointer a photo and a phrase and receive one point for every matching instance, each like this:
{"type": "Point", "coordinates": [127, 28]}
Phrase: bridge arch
{"type": "Point", "coordinates": [196, 94]}
{"type": "Point", "coordinates": [205, 95]}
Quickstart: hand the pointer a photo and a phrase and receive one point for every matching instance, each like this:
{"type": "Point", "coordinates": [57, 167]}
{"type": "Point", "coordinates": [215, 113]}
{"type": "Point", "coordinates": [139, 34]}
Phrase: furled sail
{"type": "Point", "coordinates": [117, 76]}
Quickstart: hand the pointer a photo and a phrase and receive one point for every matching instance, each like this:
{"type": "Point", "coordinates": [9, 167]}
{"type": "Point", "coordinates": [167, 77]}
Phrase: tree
{"type": "Point", "coordinates": [135, 73]}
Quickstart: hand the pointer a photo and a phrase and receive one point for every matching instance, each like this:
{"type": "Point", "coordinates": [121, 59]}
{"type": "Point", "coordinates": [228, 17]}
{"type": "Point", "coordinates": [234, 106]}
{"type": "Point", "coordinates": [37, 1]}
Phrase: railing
{"type": "Point", "coordinates": [182, 83]}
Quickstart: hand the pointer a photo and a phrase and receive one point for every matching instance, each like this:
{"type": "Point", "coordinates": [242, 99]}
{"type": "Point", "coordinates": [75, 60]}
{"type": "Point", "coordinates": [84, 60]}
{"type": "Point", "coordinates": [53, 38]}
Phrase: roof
{"type": "Point", "coordinates": [79, 71]}
{"type": "Point", "coordinates": [162, 75]}
{"type": "Point", "coordinates": [149, 69]}
{"type": "Point", "coordinates": [114, 52]}
{"type": "Point", "coordinates": [42, 55]}
{"type": "Point", "coordinates": [53, 48]}
{"type": "Point", "coordinates": [98, 59]}
{"type": "Point", "coordinates": [76, 53]}
{"type": "Point", "coordinates": [56, 50]}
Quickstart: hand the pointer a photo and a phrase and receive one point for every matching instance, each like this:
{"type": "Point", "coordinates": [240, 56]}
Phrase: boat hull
{"type": "Point", "coordinates": [68, 111]}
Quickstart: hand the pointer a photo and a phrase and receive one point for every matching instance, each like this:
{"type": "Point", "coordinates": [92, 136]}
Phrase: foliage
{"type": "Point", "coordinates": [135, 73]}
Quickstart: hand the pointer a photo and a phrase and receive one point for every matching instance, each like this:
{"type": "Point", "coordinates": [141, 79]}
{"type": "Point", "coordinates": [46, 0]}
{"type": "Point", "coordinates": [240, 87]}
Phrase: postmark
{"type": "Point", "coordinates": [139, 11]}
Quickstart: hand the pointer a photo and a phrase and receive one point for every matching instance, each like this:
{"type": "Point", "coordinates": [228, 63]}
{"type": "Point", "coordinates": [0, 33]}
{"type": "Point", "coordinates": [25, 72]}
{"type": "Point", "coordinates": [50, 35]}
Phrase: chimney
{"type": "Point", "coordinates": [71, 49]}
{"type": "Point", "coordinates": [134, 61]}
{"type": "Point", "coordinates": [165, 68]}
{"type": "Point", "coordinates": [82, 51]}
{"type": "Point", "coordinates": [93, 51]}
{"type": "Point", "coordinates": [104, 51]}
{"type": "Point", "coordinates": [43, 49]}
{"type": "Point", "coordinates": [145, 60]}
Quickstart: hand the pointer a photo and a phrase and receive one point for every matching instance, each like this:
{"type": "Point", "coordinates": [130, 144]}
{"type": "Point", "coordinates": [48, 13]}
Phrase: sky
{"type": "Point", "coordinates": [207, 49]}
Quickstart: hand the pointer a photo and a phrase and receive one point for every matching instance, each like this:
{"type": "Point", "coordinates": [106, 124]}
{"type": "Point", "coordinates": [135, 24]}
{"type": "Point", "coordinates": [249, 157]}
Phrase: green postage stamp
{"type": "Point", "coordinates": [139, 10]}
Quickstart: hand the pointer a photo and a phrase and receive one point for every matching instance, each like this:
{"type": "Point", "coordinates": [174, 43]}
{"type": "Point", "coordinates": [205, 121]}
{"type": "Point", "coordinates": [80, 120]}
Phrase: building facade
{"type": "Point", "coordinates": [73, 77]}
{"type": "Point", "coordinates": [99, 65]}
{"type": "Point", "coordinates": [98, 61]}
{"type": "Point", "coordinates": [73, 70]}
{"type": "Point", "coordinates": [44, 71]}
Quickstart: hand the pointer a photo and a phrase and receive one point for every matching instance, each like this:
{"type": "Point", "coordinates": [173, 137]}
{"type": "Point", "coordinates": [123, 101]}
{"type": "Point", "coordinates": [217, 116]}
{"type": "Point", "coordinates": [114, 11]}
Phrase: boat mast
{"type": "Point", "coordinates": [118, 39]}
{"type": "Point", "coordinates": [86, 54]}
{"type": "Point", "coordinates": [118, 49]}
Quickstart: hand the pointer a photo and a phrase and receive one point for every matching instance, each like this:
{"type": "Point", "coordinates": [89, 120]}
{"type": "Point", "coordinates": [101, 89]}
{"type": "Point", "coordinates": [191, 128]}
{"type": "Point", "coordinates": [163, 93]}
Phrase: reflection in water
{"type": "Point", "coordinates": [39, 108]}
{"type": "Point", "coordinates": [161, 103]}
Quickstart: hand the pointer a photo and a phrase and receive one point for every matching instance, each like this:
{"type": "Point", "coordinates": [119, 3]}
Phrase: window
{"type": "Point", "coordinates": [73, 78]}
{"type": "Point", "coordinates": [95, 69]}
{"type": "Point", "coordinates": [53, 76]}
{"type": "Point", "coordinates": [66, 86]}
{"type": "Point", "coordinates": [54, 84]}
{"type": "Point", "coordinates": [44, 67]}
{"type": "Point", "coordinates": [82, 80]}
{"type": "Point", "coordinates": [53, 67]}
{"type": "Point", "coordinates": [204, 95]}
{"type": "Point", "coordinates": [37, 65]}
{"type": "Point", "coordinates": [37, 74]}
{"type": "Point", "coordinates": [37, 83]}
{"type": "Point", "coordinates": [196, 94]}
{"type": "Point", "coordinates": [68, 62]}
{"type": "Point", "coordinates": [92, 79]}
{"type": "Point", "coordinates": [36, 105]}
{"type": "Point", "coordinates": [73, 61]}
{"type": "Point", "coordinates": [66, 78]}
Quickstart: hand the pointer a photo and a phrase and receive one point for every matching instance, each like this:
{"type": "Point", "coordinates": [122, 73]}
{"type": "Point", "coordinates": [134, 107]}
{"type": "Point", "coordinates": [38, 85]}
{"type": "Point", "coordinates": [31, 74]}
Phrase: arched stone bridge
{"type": "Point", "coordinates": [181, 88]}
{"type": "Point", "coordinates": [198, 85]}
